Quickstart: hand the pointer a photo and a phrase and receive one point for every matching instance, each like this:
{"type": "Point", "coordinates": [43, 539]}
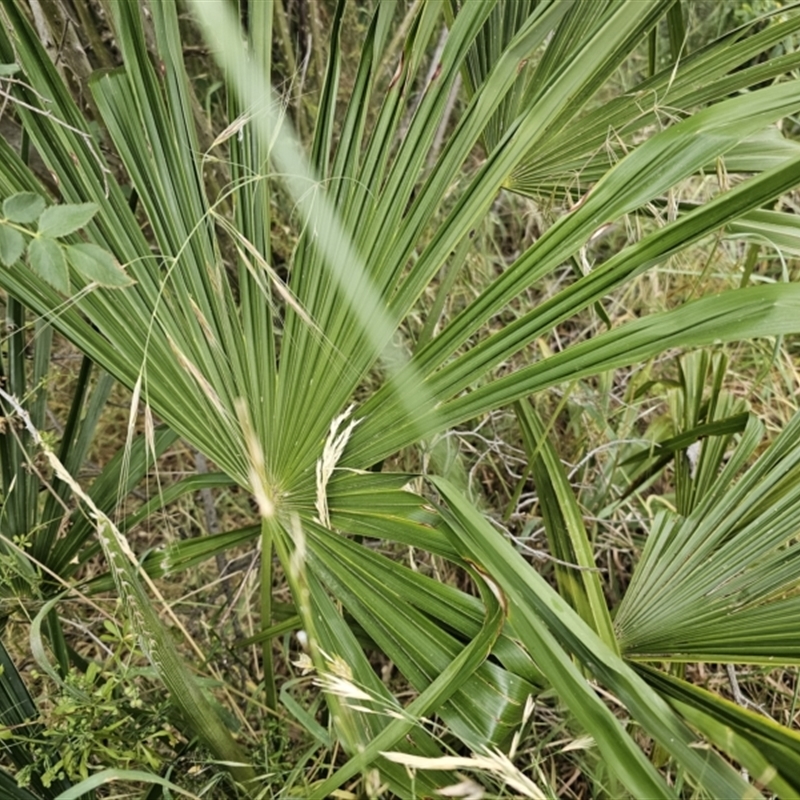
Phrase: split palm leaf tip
{"type": "Point", "coordinates": [274, 377]}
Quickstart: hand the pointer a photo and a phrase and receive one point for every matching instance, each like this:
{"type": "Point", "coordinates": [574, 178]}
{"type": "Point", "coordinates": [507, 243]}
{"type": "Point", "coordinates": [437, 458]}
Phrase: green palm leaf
{"type": "Point", "coordinates": [255, 369]}
{"type": "Point", "coordinates": [550, 629]}
{"type": "Point", "coordinates": [771, 752]}
{"type": "Point", "coordinates": [743, 609]}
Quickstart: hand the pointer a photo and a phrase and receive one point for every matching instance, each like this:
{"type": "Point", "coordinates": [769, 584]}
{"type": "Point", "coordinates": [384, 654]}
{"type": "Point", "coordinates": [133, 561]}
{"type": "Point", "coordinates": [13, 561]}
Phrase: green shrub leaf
{"type": "Point", "coordinates": [65, 219]}
{"type": "Point", "coordinates": [12, 245]}
{"type": "Point", "coordinates": [23, 207]}
{"type": "Point", "coordinates": [97, 264]}
{"type": "Point", "coordinates": [46, 259]}
{"type": "Point", "coordinates": [8, 69]}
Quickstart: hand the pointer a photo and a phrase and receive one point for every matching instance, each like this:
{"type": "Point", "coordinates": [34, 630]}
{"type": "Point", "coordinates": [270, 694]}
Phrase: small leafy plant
{"type": "Point", "coordinates": [100, 720]}
{"type": "Point", "coordinates": [48, 257]}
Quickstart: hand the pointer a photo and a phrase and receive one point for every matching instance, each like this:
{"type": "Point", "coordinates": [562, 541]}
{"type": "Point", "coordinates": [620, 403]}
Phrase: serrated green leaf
{"type": "Point", "coordinates": [46, 259]}
{"type": "Point", "coordinates": [65, 219]}
{"type": "Point", "coordinates": [97, 264]}
{"type": "Point", "coordinates": [23, 207]}
{"type": "Point", "coordinates": [12, 245]}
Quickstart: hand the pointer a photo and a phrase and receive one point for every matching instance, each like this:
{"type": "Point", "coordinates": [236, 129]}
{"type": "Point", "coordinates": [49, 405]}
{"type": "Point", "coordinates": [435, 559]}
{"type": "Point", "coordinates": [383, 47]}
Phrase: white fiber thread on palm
{"type": "Point", "coordinates": [331, 453]}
